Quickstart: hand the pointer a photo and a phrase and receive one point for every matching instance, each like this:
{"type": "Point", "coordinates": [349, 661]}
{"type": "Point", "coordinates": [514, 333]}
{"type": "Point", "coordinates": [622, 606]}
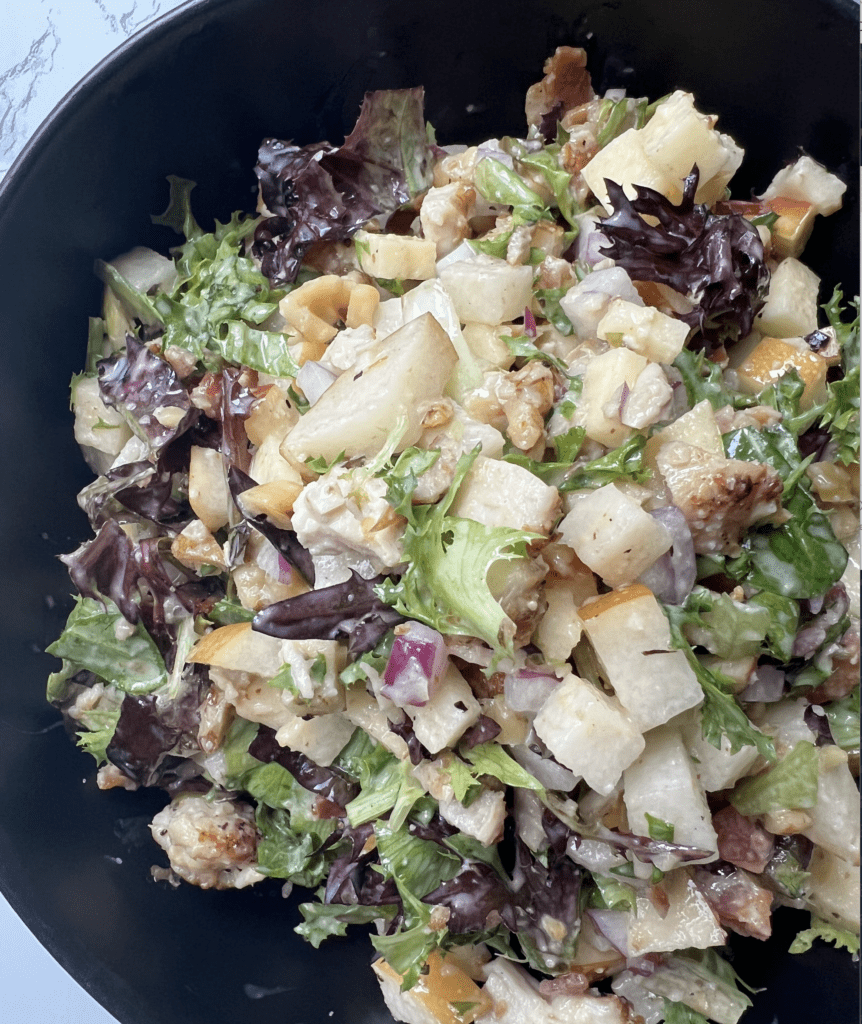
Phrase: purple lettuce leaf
{"type": "Point", "coordinates": [320, 192]}
{"type": "Point", "coordinates": [716, 261]}
{"type": "Point", "coordinates": [349, 611]}
{"type": "Point", "coordinates": [142, 386]}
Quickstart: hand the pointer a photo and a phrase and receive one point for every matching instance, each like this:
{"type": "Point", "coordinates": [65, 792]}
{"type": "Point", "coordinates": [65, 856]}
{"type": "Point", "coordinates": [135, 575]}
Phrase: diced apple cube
{"type": "Point", "coordinates": [487, 290]}
{"type": "Point", "coordinates": [497, 493]}
{"type": "Point", "coordinates": [613, 535]}
{"type": "Point", "coordinates": [696, 427]}
{"type": "Point", "coordinates": [625, 162]}
{"type": "Point", "coordinates": [791, 303]}
{"type": "Point", "coordinates": [396, 257]}
{"type": "Point", "coordinates": [603, 377]}
{"type": "Point", "coordinates": [652, 681]}
{"type": "Point", "coordinates": [643, 329]}
{"type": "Point", "coordinates": [809, 181]}
{"type": "Point", "coordinates": [357, 413]}
{"type": "Point", "coordinates": [587, 731]}
{"type": "Point", "coordinates": [209, 495]}
{"type": "Point", "coordinates": [447, 715]}
{"type": "Point", "coordinates": [688, 923]}
{"type": "Point", "coordinates": [770, 360]}
{"type": "Point", "coordinates": [663, 783]}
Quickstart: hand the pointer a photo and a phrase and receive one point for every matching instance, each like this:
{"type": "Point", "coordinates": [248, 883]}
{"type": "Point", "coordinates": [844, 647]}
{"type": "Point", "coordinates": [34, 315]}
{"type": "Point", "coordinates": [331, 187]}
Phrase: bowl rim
{"type": "Point", "coordinates": [107, 988]}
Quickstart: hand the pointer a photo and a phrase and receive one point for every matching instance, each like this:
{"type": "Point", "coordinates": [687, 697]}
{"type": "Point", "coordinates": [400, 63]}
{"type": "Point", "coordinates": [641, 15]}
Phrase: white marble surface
{"type": "Point", "coordinates": [46, 46]}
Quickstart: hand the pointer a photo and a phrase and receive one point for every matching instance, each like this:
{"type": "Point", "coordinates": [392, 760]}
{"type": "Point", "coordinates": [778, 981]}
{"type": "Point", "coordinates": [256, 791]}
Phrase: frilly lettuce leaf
{"type": "Point", "coordinates": [97, 638]}
{"type": "Point", "coordinates": [820, 929]}
{"type": "Point", "coordinates": [445, 583]}
{"type": "Point", "coordinates": [324, 920]}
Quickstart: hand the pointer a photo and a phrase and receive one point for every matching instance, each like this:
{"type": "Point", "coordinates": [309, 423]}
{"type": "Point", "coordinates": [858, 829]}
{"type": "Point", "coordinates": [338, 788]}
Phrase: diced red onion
{"type": "Point", "coordinates": [625, 391]}
{"type": "Point", "coordinates": [529, 323]}
{"type": "Point", "coordinates": [314, 378]}
{"type": "Point", "coordinates": [416, 664]}
{"type": "Point", "coordinates": [285, 569]}
{"type": "Point", "coordinates": [527, 689]}
{"type": "Point", "coordinates": [614, 926]}
{"type": "Point", "coordinates": [767, 685]}
{"type": "Point", "coordinates": [672, 576]}
{"type": "Point", "coordinates": [642, 965]}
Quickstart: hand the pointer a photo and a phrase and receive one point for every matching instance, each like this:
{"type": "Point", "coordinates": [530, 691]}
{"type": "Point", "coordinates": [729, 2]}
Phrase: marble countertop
{"type": "Point", "coordinates": [46, 47]}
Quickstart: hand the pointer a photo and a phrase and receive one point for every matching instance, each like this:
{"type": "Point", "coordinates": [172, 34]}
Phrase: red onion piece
{"type": "Point", "coordinates": [625, 391]}
{"type": "Point", "coordinates": [551, 774]}
{"type": "Point", "coordinates": [614, 926]}
{"type": "Point", "coordinates": [767, 685]}
{"type": "Point", "coordinates": [529, 323]}
{"type": "Point", "coordinates": [672, 576]}
{"type": "Point", "coordinates": [285, 569]}
{"type": "Point", "coordinates": [527, 689]}
{"type": "Point", "coordinates": [416, 664]}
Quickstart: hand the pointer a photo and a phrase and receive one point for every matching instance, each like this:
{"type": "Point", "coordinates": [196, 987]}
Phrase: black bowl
{"type": "Point", "coordinates": [193, 95]}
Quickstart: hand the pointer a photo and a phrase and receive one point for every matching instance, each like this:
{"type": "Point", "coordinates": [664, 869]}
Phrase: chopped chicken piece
{"type": "Point", "coordinates": [210, 843]}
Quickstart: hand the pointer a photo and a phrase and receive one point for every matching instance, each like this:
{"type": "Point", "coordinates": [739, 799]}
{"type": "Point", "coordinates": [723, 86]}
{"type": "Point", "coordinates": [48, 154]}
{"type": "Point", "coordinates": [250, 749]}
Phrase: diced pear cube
{"type": "Point", "coordinates": [773, 357]}
{"type": "Point", "coordinates": [587, 731]}
{"type": "Point", "coordinates": [790, 233]}
{"type": "Point", "coordinates": [688, 923]}
{"type": "Point", "coordinates": [716, 767]}
{"type": "Point", "coordinates": [625, 162]}
{"type": "Point", "coordinates": [485, 342]}
{"type": "Point", "coordinates": [663, 783]}
{"type": "Point", "coordinates": [809, 181]}
{"type": "Point", "coordinates": [357, 413]}
{"type": "Point", "coordinates": [487, 290]}
{"type": "Point", "coordinates": [677, 137]}
{"type": "Point", "coordinates": [321, 737]}
{"type": "Point", "coordinates": [791, 303]}
{"type": "Point", "coordinates": [560, 627]}
{"type": "Point", "coordinates": [604, 375]}
{"type": "Point", "coordinates": [96, 425]}
{"type": "Point", "coordinates": [273, 500]}
{"type": "Point", "coordinates": [447, 715]}
{"type": "Point", "coordinates": [652, 681]}
{"type": "Point", "coordinates": [613, 535]}
{"type": "Point", "coordinates": [209, 495]}
{"type": "Point", "coordinates": [696, 427]}
{"type": "Point", "coordinates": [834, 889]}
{"type": "Point", "coordinates": [835, 816]}
{"type": "Point", "coordinates": [437, 995]}
{"type": "Point", "coordinates": [396, 257]}
{"type": "Point", "coordinates": [643, 329]}
{"type": "Point", "coordinates": [497, 493]}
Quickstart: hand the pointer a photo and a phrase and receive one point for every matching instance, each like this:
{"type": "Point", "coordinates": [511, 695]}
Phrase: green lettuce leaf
{"type": "Point", "coordinates": [101, 724]}
{"type": "Point", "coordinates": [386, 782]}
{"type": "Point", "coordinates": [703, 379]}
{"type": "Point", "coordinates": [721, 714]}
{"type": "Point", "coordinates": [790, 784]}
{"type": "Point", "coordinates": [625, 461]}
{"type": "Point", "coordinates": [97, 638]}
{"type": "Point", "coordinates": [499, 184]}
{"type": "Point", "coordinates": [679, 1013]}
{"type": "Point", "coordinates": [322, 921]}
{"type": "Point", "coordinates": [841, 938]}
{"type": "Point", "coordinates": [843, 718]}
{"type": "Point", "coordinates": [445, 583]}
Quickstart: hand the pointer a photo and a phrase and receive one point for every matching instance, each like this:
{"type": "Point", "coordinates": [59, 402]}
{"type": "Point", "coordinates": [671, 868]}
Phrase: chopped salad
{"type": "Point", "coordinates": [476, 546]}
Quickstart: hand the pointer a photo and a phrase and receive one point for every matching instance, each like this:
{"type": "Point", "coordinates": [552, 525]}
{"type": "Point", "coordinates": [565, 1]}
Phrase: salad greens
{"type": "Point", "coordinates": [474, 575]}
